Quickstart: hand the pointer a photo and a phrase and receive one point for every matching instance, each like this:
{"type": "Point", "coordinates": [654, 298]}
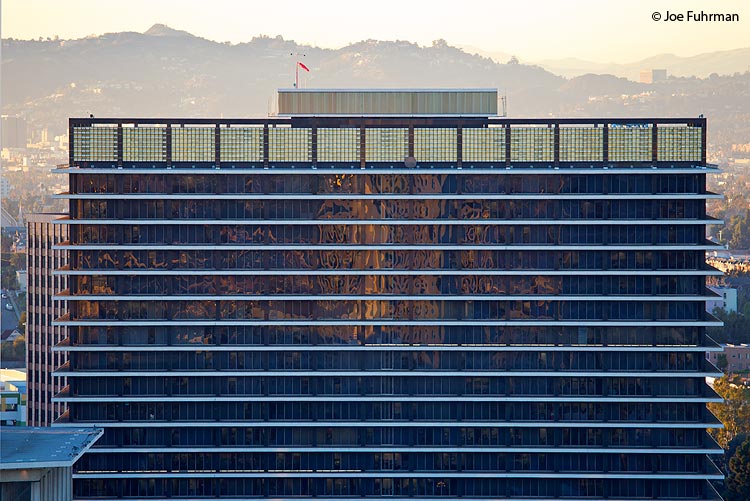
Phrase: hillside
{"type": "Point", "coordinates": [167, 72]}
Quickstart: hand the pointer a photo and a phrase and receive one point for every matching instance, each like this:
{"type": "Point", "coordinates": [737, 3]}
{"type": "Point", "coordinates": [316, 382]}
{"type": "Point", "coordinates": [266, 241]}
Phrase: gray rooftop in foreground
{"type": "Point", "coordinates": [26, 447]}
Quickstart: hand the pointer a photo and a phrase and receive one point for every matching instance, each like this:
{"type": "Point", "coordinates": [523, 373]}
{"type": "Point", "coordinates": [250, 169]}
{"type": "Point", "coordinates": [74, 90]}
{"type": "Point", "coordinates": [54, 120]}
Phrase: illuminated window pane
{"type": "Point", "coordinates": [531, 144]}
{"type": "Point", "coordinates": [338, 145]}
{"type": "Point", "coordinates": [386, 145]}
{"type": "Point", "coordinates": [581, 144]}
{"type": "Point", "coordinates": [287, 144]}
{"type": "Point", "coordinates": [629, 143]}
{"type": "Point", "coordinates": [435, 145]}
{"type": "Point", "coordinates": [193, 144]}
{"type": "Point", "coordinates": [678, 144]}
{"type": "Point", "coordinates": [242, 144]}
{"type": "Point", "coordinates": [483, 145]}
{"type": "Point", "coordinates": [91, 144]}
{"type": "Point", "coordinates": [144, 144]}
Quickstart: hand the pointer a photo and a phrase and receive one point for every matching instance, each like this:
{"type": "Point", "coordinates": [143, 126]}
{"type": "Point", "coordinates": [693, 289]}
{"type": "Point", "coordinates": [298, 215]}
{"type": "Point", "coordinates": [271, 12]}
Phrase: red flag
{"type": "Point", "coordinates": [304, 67]}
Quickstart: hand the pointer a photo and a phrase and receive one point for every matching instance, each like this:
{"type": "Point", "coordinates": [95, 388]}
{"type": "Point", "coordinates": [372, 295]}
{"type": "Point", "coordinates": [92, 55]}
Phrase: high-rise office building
{"type": "Point", "coordinates": [390, 293]}
{"type": "Point", "coordinates": [14, 132]}
{"type": "Point", "coordinates": [41, 310]}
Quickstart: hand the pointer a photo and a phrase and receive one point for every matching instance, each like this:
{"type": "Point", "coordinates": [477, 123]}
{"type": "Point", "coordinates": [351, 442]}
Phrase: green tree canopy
{"type": "Point", "coordinates": [721, 362]}
{"type": "Point", "coordinates": [737, 230]}
{"type": "Point", "coordinates": [738, 479]}
{"type": "Point", "coordinates": [736, 329]}
{"type": "Point", "coordinates": [14, 350]}
{"type": "Point", "coordinates": [734, 412]}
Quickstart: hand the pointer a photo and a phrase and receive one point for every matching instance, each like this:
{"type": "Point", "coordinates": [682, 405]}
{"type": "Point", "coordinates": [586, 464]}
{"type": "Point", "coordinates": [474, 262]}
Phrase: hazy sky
{"type": "Point", "coordinates": [597, 30]}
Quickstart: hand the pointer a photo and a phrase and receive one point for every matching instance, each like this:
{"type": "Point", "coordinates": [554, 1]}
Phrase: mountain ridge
{"type": "Point", "coordinates": [171, 73]}
{"type": "Point", "coordinates": [724, 62]}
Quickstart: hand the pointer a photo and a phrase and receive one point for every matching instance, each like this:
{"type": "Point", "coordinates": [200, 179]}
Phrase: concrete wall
{"type": "Point", "coordinates": [41, 484]}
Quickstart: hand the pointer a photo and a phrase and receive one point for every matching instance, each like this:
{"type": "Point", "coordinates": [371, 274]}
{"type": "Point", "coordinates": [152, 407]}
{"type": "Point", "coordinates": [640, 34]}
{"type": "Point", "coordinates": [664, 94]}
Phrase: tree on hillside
{"type": "Point", "coordinates": [22, 324]}
{"type": "Point", "coordinates": [734, 412]}
{"type": "Point", "coordinates": [738, 479]}
{"type": "Point", "coordinates": [721, 362]}
{"type": "Point", "coordinates": [736, 329]}
{"type": "Point", "coordinates": [737, 232]}
{"type": "Point", "coordinates": [14, 350]}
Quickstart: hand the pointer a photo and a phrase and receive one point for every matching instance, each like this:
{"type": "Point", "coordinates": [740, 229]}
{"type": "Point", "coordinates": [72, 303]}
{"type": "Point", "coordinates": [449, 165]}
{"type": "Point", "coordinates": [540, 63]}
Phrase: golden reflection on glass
{"type": "Point", "coordinates": [427, 284]}
{"type": "Point", "coordinates": [299, 259]}
{"type": "Point", "coordinates": [428, 183]}
{"type": "Point", "coordinates": [424, 334]}
{"type": "Point", "coordinates": [338, 209]}
{"type": "Point", "coordinates": [131, 261]}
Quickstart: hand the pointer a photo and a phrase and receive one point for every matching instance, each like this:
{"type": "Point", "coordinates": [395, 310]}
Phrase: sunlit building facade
{"type": "Point", "coordinates": [41, 310]}
{"type": "Point", "coordinates": [389, 293]}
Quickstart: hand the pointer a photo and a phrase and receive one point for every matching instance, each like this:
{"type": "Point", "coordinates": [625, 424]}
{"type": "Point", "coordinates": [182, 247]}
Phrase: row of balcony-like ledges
{"type": "Point", "coordinates": [103, 142]}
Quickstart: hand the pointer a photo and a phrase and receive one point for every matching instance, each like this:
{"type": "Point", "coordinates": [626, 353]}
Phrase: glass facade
{"type": "Point", "coordinates": [520, 315]}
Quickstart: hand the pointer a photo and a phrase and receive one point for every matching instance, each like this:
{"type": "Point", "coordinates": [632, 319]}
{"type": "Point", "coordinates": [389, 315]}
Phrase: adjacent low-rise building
{"type": "Point", "coordinates": [13, 406]}
{"type": "Point", "coordinates": [737, 356]}
{"type": "Point", "coordinates": [36, 463]}
{"type": "Point", "coordinates": [726, 300]}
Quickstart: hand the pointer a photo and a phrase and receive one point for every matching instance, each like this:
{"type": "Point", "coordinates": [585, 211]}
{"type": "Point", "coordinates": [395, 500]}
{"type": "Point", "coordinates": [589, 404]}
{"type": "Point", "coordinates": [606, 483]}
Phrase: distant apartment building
{"type": "Point", "coordinates": [738, 357]}
{"type": "Point", "coordinates": [22, 280]}
{"type": "Point", "coordinates": [41, 309]}
{"type": "Point", "coordinates": [13, 402]}
{"type": "Point", "coordinates": [14, 132]}
{"type": "Point", "coordinates": [652, 76]}
{"type": "Point", "coordinates": [390, 294]}
{"type": "Point", "coordinates": [4, 187]}
{"type": "Point", "coordinates": [727, 299]}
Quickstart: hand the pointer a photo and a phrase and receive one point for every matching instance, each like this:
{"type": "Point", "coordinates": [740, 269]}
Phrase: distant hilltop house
{"type": "Point", "coordinates": [727, 299]}
{"type": "Point", "coordinates": [19, 239]}
{"type": "Point", "coordinates": [21, 276]}
{"type": "Point", "coordinates": [9, 335]}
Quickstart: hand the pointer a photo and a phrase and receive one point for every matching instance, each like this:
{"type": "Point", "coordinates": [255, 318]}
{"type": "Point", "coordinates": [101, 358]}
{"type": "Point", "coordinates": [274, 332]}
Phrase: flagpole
{"type": "Point", "coordinates": [296, 67]}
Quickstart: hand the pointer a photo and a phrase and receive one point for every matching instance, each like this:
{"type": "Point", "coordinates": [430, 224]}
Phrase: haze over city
{"type": "Point", "coordinates": [534, 30]}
